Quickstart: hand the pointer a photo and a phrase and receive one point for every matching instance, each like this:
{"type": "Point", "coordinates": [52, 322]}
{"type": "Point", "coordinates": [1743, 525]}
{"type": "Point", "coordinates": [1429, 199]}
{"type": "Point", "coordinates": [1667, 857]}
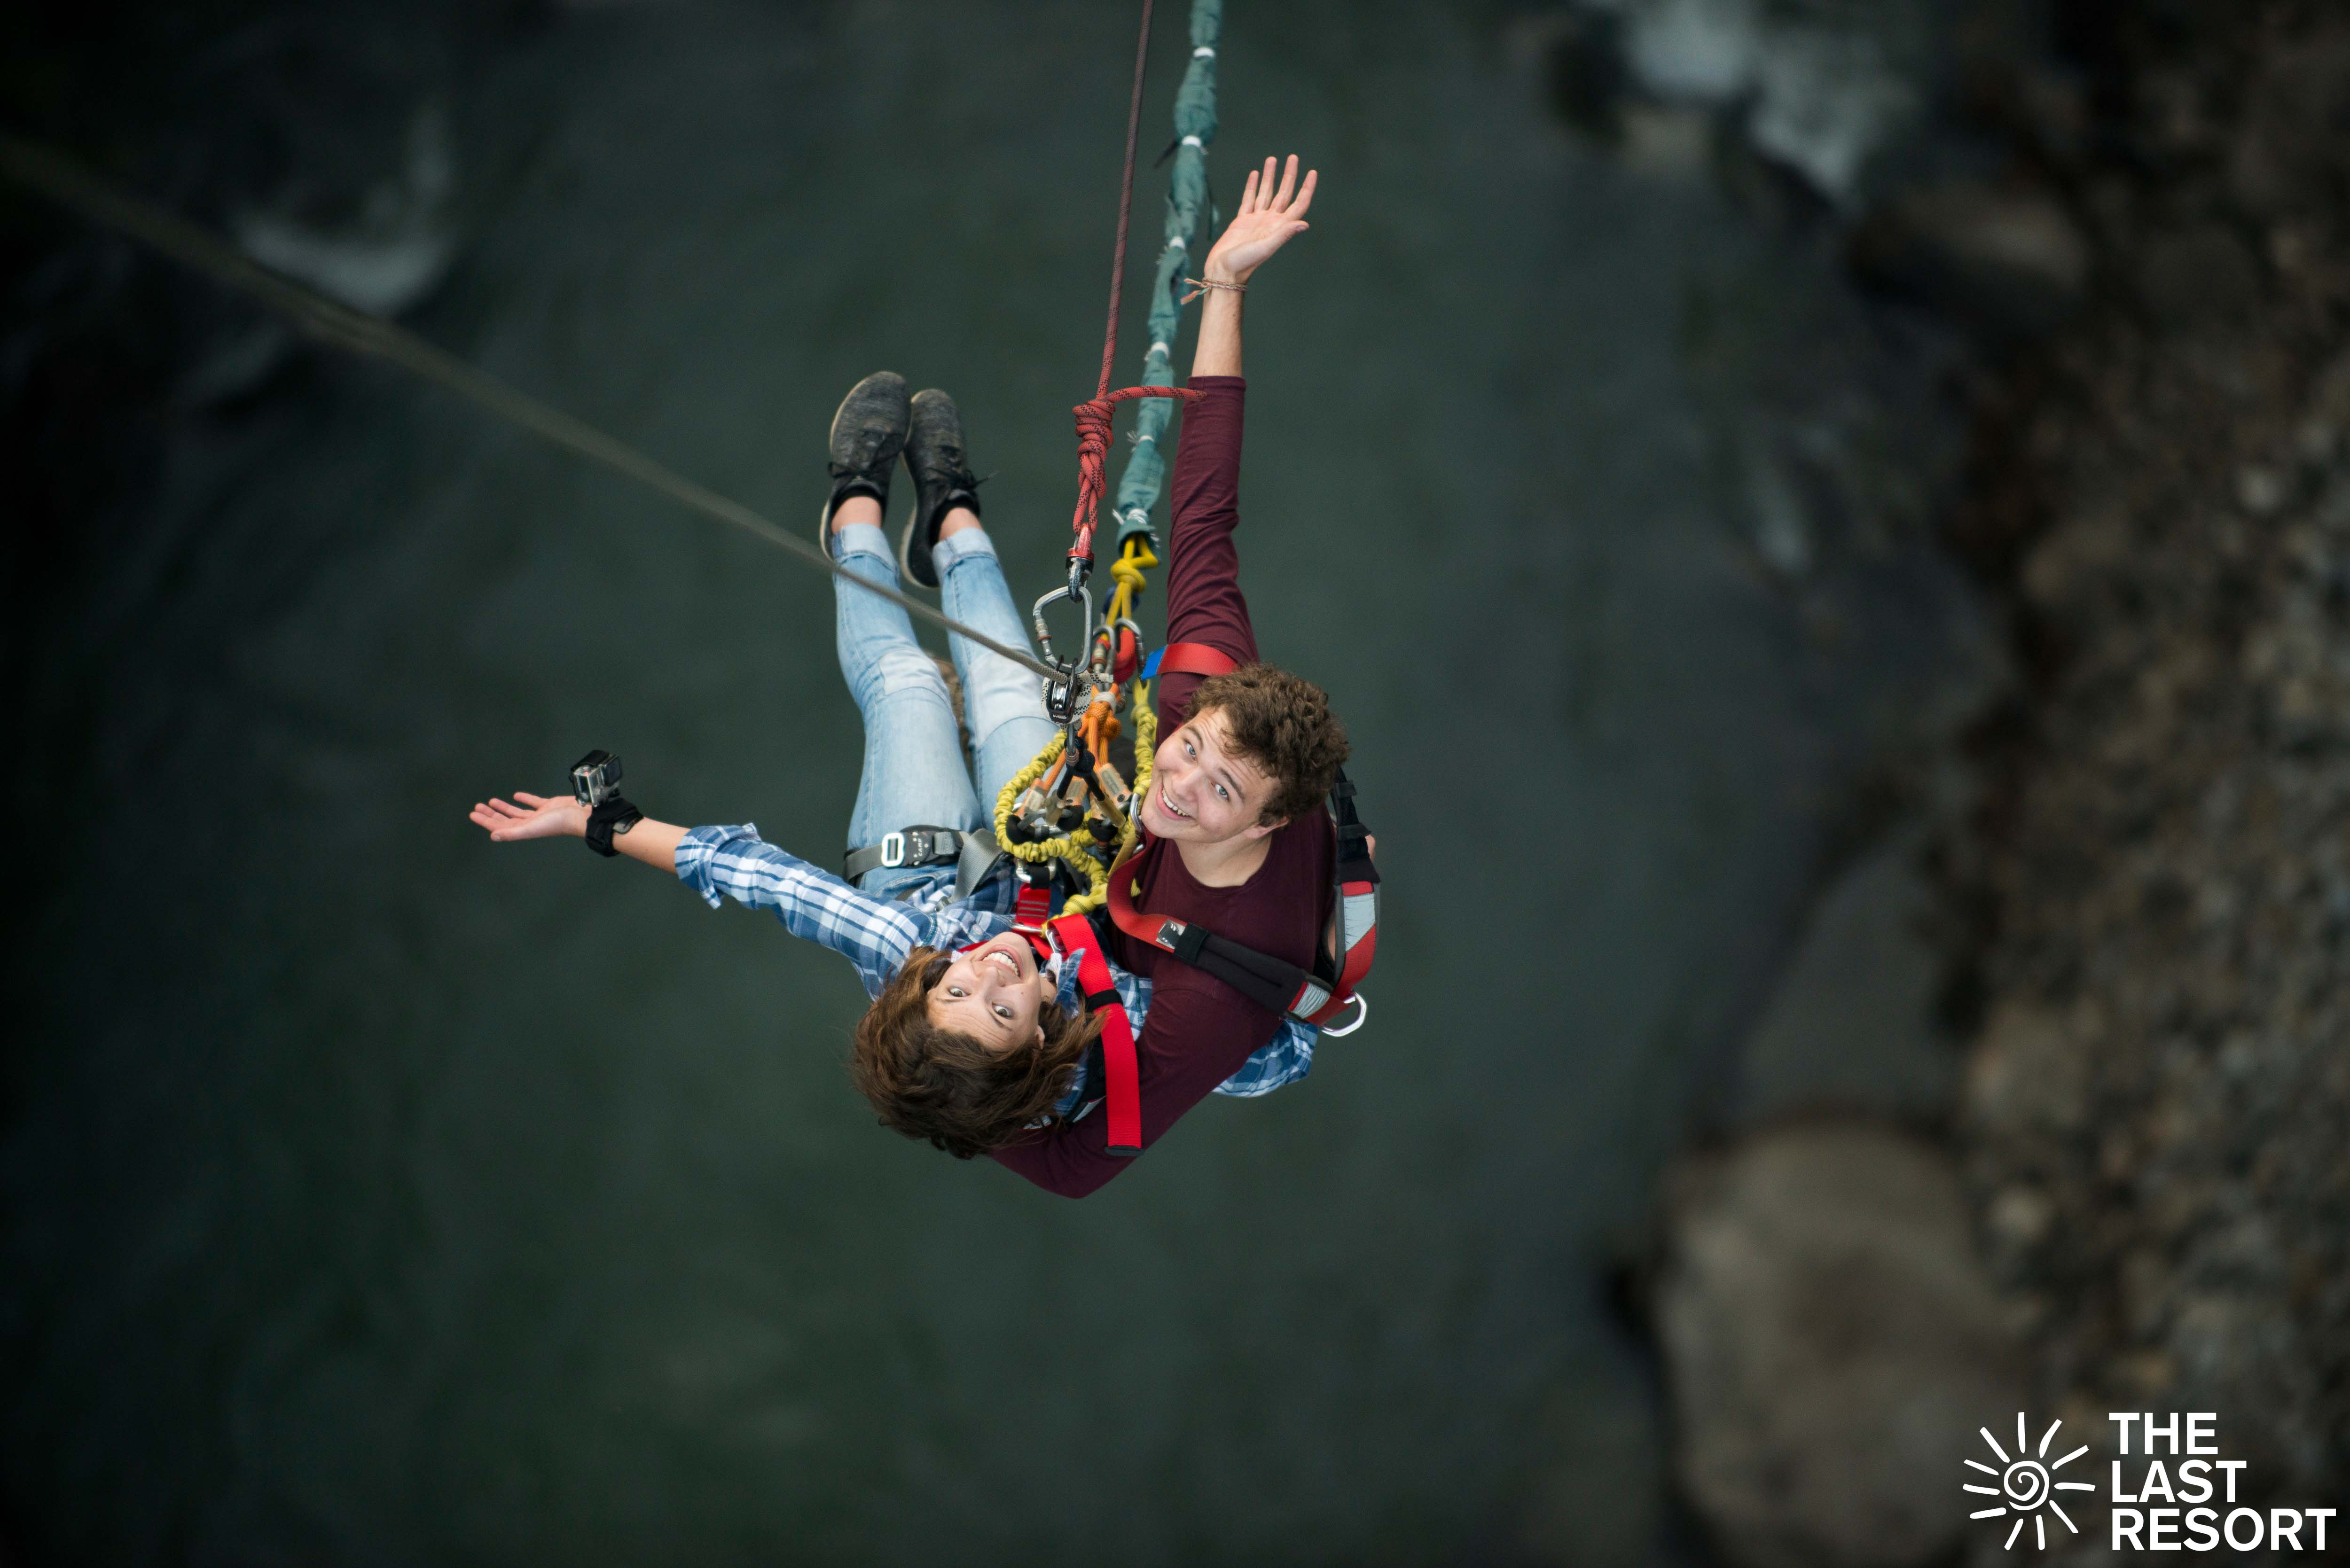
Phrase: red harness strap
{"type": "Point", "coordinates": [1272, 983]}
{"type": "Point", "coordinates": [1189, 658]}
{"type": "Point", "coordinates": [1121, 1071]}
{"type": "Point", "coordinates": [1121, 1068]}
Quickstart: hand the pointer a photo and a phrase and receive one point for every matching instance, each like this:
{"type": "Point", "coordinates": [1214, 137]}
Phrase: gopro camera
{"type": "Point", "coordinates": [596, 778]}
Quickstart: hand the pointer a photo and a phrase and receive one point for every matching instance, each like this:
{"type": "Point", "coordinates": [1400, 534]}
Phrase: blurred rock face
{"type": "Point", "coordinates": [1824, 90]}
{"type": "Point", "coordinates": [2151, 1109]}
{"type": "Point", "coordinates": [1833, 1344]}
{"type": "Point", "coordinates": [2154, 1106]}
{"type": "Point", "coordinates": [2147, 247]}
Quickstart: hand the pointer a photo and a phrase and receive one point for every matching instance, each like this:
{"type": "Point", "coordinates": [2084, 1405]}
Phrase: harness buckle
{"type": "Point", "coordinates": [893, 850]}
{"type": "Point", "coordinates": [1170, 933]}
{"type": "Point", "coordinates": [1362, 1012]}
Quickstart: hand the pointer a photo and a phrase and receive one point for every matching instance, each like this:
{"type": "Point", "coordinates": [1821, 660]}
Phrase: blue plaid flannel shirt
{"type": "Point", "coordinates": [876, 935]}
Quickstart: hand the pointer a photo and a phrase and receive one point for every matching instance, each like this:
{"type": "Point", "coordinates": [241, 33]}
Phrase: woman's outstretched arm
{"type": "Point", "coordinates": [653, 843]}
{"type": "Point", "coordinates": [1267, 219]}
{"type": "Point", "coordinates": [722, 863]}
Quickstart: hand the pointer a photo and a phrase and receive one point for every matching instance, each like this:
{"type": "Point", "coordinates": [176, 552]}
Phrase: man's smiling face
{"type": "Point", "coordinates": [1202, 790]}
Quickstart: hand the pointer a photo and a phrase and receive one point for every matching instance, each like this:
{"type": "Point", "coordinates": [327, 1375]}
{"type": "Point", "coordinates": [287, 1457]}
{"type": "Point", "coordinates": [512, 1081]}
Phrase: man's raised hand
{"type": "Point", "coordinates": [1266, 220]}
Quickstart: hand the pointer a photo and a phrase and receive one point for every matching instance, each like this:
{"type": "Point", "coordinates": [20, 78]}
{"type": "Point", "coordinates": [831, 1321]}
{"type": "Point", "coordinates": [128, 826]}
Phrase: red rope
{"type": "Point", "coordinates": [1094, 417]}
{"type": "Point", "coordinates": [1093, 445]}
{"type": "Point", "coordinates": [1125, 204]}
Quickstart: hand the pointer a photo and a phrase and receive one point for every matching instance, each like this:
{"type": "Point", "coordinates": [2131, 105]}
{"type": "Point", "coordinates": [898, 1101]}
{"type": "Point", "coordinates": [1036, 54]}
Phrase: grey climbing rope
{"type": "Point", "coordinates": [68, 183]}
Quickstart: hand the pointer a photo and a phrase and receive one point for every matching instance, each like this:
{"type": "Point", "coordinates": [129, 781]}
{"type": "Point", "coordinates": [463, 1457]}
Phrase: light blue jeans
{"type": "Point", "coordinates": [915, 771]}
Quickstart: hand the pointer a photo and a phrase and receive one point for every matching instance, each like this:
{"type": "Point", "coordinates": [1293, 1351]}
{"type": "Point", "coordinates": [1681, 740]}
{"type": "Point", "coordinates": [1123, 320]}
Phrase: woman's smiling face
{"type": "Point", "coordinates": [1203, 791]}
{"type": "Point", "coordinates": [995, 993]}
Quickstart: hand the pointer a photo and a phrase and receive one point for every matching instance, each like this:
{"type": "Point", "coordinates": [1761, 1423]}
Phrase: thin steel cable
{"type": "Point", "coordinates": [69, 184]}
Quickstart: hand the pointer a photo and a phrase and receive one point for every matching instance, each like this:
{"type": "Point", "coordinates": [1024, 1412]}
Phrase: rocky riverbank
{"type": "Point", "coordinates": [2153, 1108]}
{"type": "Point", "coordinates": [2145, 889]}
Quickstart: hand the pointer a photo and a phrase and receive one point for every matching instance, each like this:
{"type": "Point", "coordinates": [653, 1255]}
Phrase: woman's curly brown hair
{"type": "Point", "coordinates": [938, 1084]}
{"type": "Point", "coordinates": [1282, 723]}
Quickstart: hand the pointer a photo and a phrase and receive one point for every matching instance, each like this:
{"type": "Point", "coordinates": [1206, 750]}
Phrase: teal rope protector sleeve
{"type": "Point", "coordinates": [1139, 487]}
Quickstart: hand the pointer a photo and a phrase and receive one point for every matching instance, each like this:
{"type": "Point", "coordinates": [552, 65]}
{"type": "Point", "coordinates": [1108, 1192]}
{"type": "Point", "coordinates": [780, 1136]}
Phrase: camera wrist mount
{"type": "Point", "coordinates": [596, 784]}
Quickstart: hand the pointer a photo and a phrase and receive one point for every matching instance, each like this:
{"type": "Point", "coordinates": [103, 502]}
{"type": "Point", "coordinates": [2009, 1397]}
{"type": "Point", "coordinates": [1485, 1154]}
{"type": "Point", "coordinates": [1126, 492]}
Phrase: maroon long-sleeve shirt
{"type": "Point", "coordinates": [1200, 1030]}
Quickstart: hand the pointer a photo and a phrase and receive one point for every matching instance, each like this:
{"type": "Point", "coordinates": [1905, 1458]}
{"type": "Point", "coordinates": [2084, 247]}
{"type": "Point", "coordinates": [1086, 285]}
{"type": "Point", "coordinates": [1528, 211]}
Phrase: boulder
{"type": "Point", "coordinates": [2008, 259]}
{"type": "Point", "coordinates": [1832, 1342]}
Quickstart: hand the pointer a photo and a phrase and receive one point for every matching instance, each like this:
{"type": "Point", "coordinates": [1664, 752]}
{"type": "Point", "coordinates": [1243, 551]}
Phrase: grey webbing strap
{"type": "Point", "coordinates": [980, 856]}
{"type": "Point", "coordinates": [972, 852]}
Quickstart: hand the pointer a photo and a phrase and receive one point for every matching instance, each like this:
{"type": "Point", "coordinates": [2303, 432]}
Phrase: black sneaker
{"type": "Point", "coordinates": [869, 431]}
{"type": "Point", "coordinates": [942, 481]}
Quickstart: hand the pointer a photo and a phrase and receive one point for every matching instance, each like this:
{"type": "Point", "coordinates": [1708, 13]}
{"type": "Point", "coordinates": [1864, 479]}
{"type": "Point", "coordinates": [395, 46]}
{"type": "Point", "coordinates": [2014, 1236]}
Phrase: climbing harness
{"type": "Point", "coordinates": [1315, 997]}
{"type": "Point", "coordinates": [1312, 997]}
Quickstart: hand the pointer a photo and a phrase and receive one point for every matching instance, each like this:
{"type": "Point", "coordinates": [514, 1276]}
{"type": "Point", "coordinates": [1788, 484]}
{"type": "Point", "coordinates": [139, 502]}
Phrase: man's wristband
{"type": "Point", "coordinates": [614, 816]}
{"type": "Point", "coordinates": [1201, 286]}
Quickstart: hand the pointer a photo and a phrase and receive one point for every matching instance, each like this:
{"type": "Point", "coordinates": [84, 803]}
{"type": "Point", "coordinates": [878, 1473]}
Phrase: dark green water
{"type": "Point", "coordinates": [379, 1196]}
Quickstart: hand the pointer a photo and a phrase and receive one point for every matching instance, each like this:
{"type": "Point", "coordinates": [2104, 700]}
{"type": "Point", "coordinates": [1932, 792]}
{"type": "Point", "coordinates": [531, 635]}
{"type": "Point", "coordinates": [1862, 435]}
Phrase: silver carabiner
{"type": "Point", "coordinates": [1107, 639]}
{"type": "Point", "coordinates": [1071, 685]}
{"type": "Point", "coordinates": [1043, 634]}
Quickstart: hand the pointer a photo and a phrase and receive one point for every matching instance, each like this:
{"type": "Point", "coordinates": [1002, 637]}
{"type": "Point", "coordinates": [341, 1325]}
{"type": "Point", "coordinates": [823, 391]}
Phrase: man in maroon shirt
{"type": "Point", "coordinates": [1236, 790]}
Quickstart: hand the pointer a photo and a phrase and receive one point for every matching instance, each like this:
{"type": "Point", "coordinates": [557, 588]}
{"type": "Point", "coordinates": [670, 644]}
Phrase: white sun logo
{"type": "Point", "coordinates": [2025, 1485]}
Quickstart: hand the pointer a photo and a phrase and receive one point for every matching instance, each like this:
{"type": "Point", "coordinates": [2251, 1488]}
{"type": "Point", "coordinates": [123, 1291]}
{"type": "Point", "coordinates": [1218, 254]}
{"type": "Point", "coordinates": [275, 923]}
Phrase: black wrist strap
{"type": "Point", "coordinates": [614, 816]}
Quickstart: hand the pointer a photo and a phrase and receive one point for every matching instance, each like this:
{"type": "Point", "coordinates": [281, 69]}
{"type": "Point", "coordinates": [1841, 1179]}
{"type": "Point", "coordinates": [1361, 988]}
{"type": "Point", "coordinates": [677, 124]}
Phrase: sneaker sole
{"type": "Point", "coordinates": [907, 571]}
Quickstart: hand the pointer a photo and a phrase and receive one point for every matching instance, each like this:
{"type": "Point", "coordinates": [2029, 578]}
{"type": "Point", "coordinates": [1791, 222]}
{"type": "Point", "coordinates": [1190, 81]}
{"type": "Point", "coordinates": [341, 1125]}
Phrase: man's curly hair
{"type": "Point", "coordinates": [1282, 723]}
